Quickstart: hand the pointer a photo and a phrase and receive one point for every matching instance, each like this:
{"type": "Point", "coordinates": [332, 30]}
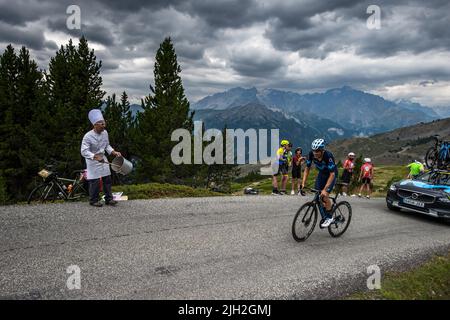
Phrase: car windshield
{"type": "Point", "coordinates": [439, 178]}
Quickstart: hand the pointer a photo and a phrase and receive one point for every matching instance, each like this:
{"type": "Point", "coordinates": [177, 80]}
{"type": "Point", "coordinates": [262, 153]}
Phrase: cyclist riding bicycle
{"type": "Point", "coordinates": [326, 179]}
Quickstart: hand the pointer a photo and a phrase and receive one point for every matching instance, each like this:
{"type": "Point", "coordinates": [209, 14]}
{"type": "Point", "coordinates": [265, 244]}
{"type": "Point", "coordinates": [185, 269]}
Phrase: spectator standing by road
{"type": "Point", "coordinates": [415, 168]}
{"type": "Point", "coordinates": [349, 164]}
{"type": "Point", "coordinates": [93, 147]}
{"type": "Point", "coordinates": [366, 176]}
{"type": "Point", "coordinates": [297, 161]}
{"type": "Point", "coordinates": [281, 167]}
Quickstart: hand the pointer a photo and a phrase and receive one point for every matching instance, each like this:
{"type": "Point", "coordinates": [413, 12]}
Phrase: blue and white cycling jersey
{"type": "Point", "coordinates": [326, 165]}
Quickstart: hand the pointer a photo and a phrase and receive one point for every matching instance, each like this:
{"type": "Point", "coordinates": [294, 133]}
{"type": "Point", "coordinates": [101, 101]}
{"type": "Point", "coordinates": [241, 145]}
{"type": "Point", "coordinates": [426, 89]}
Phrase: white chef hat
{"type": "Point", "coordinates": [95, 115]}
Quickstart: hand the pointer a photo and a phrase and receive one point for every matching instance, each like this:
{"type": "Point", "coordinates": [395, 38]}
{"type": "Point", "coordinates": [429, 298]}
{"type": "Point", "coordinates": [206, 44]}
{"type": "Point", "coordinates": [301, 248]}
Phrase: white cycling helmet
{"type": "Point", "coordinates": [367, 160]}
{"type": "Point", "coordinates": [318, 144]}
{"type": "Point", "coordinates": [351, 154]}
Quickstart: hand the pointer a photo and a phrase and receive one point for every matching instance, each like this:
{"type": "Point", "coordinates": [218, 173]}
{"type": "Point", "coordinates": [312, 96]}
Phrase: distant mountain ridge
{"type": "Point", "coordinates": [335, 114]}
{"type": "Point", "coordinates": [399, 146]}
{"type": "Point", "coordinates": [299, 130]}
{"type": "Point", "coordinates": [357, 110]}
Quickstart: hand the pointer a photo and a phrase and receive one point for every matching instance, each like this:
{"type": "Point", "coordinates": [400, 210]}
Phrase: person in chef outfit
{"type": "Point", "coordinates": [93, 148]}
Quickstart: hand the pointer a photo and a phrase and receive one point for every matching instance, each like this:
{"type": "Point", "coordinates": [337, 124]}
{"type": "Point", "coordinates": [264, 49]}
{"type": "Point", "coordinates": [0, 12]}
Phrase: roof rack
{"type": "Point", "coordinates": [440, 171]}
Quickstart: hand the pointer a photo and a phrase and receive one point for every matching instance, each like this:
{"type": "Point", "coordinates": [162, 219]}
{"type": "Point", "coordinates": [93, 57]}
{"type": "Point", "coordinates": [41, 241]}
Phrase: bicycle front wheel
{"type": "Point", "coordinates": [342, 215]}
{"type": "Point", "coordinates": [304, 222]}
{"type": "Point", "coordinates": [41, 193]}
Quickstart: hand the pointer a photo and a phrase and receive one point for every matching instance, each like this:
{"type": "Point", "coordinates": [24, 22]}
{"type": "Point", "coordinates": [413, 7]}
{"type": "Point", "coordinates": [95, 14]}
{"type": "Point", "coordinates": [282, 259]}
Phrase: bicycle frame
{"type": "Point", "coordinates": [318, 202]}
{"type": "Point", "coordinates": [443, 150]}
{"type": "Point", "coordinates": [57, 182]}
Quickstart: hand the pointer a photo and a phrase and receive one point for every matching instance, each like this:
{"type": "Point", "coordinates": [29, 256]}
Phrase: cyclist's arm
{"type": "Point", "coordinates": [332, 168]}
{"type": "Point", "coordinates": [308, 161]}
{"type": "Point", "coordinates": [305, 176]}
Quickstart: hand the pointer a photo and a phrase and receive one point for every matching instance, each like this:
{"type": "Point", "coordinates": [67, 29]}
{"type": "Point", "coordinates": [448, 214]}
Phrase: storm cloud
{"type": "Point", "coordinates": [301, 46]}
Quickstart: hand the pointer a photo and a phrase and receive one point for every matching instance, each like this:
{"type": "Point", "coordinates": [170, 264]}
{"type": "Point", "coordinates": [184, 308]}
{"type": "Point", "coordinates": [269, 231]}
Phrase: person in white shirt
{"type": "Point", "coordinates": [93, 147]}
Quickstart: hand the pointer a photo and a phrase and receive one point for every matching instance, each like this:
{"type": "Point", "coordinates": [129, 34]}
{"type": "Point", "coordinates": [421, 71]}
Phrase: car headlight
{"type": "Point", "coordinates": [393, 187]}
{"type": "Point", "coordinates": [444, 199]}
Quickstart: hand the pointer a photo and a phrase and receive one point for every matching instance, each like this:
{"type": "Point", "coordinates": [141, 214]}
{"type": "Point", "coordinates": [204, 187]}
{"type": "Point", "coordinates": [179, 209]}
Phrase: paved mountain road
{"type": "Point", "coordinates": [202, 248]}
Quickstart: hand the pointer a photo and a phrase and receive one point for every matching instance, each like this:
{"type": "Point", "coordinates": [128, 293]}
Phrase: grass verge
{"type": "Point", "coordinates": [383, 175]}
{"type": "Point", "coordinates": [162, 190]}
{"type": "Point", "coordinates": [430, 281]}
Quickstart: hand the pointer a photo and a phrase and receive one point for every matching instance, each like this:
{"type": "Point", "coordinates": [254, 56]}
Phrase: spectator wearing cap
{"type": "Point", "coordinates": [366, 176]}
{"type": "Point", "coordinates": [281, 166]}
{"type": "Point", "coordinates": [346, 177]}
{"type": "Point", "coordinates": [297, 161]}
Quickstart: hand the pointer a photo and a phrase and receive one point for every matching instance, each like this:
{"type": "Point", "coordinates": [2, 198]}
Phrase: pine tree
{"type": "Point", "coordinates": [8, 100]}
{"type": "Point", "coordinates": [119, 121]}
{"type": "Point", "coordinates": [20, 92]}
{"type": "Point", "coordinates": [220, 176]}
{"type": "Point", "coordinates": [165, 109]}
{"type": "Point", "coordinates": [74, 85]}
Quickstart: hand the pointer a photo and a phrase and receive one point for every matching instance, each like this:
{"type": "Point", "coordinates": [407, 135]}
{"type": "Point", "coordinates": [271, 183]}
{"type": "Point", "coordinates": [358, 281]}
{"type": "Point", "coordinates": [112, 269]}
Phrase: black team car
{"type": "Point", "coordinates": [429, 194]}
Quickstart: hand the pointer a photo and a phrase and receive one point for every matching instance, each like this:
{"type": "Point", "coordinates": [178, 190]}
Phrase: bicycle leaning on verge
{"type": "Point", "coordinates": [56, 188]}
{"type": "Point", "coordinates": [306, 217]}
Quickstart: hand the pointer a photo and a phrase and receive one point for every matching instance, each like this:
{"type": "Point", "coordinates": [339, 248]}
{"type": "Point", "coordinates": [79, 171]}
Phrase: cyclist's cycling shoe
{"type": "Point", "coordinates": [96, 204]}
{"type": "Point", "coordinates": [327, 222]}
{"type": "Point", "coordinates": [111, 203]}
{"type": "Point", "coordinates": [302, 193]}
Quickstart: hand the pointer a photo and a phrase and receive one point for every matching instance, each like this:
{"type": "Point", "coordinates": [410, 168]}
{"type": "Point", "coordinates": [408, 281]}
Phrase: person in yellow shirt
{"type": "Point", "coordinates": [415, 169]}
{"type": "Point", "coordinates": [284, 158]}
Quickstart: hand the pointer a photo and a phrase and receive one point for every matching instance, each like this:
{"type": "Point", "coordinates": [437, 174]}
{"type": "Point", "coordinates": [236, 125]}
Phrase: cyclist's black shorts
{"type": "Point", "coordinates": [346, 176]}
{"type": "Point", "coordinates": [296, 172]}
{"type": "Point", "coordinates": [321, 181]}
{"type": "Point", "coordinates": [366, 180]}
{"type": "Point", "coordinates": [283, 169]}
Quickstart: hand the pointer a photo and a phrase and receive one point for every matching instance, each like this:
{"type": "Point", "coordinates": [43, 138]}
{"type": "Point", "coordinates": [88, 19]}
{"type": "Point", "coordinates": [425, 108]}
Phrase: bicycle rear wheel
{"type": "Point", "coordinates": [78, 193]}
{"type": "Point", "coordinates": [304, 222]}
{"type": "Point", "coordinates": [342, 215]}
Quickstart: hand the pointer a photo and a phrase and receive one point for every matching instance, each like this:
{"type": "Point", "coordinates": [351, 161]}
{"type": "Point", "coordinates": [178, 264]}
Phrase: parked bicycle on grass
{"type": "Point", "coordinates": [55, 188]}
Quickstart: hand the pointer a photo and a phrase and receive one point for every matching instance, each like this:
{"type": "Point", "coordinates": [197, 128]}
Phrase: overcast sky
{"type": "Point", "coordinates": [295, 45]}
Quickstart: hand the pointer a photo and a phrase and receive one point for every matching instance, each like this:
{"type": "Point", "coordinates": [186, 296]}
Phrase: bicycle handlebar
{"type": "Point", "coordinates": [312, 190]}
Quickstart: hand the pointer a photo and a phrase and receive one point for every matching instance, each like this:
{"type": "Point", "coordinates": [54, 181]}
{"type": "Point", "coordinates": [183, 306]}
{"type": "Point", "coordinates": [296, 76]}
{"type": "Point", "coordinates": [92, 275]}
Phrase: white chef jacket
{"type": "Point", "coordinates": [92, 144]}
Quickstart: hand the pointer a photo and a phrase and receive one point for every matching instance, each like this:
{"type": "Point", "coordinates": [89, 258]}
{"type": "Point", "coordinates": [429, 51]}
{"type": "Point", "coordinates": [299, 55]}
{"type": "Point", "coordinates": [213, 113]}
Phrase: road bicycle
{"type": "Point", "coordinates": [306, 217]}
{"type": "Point", "coordinates": [56, 188]}
{"type": "Point", "coordinates": [438, 155]}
